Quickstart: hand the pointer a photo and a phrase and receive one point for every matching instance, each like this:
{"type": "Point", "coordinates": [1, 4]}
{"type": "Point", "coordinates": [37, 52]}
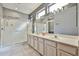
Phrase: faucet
{"type": "Point", "coordinates": [55, 36]}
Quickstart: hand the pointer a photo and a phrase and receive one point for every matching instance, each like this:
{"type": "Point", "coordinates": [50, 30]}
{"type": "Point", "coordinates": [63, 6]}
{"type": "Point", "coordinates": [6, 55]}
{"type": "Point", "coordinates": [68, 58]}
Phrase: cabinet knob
{"type": "Point", "coordinates": [2, 28]}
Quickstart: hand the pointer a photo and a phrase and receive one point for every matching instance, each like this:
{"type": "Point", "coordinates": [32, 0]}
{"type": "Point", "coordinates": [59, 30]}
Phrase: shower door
{"type": "Point", "coordinates": [13, 31]}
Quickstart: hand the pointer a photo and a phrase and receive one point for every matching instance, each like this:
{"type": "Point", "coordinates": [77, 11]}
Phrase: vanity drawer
{"type": "Point", "coordinates": [41, 39]}
{"type": "Point", "coordinates": [67, 48]}
{"type": "Point", "coordinates": [50, 43]}
{"type": "Point", "coordinates": [34, 37]}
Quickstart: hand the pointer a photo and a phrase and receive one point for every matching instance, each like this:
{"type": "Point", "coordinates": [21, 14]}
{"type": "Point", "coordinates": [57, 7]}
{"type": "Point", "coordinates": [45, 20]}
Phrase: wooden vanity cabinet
{"type": "Point", "coordinates": [35, 42]}
{"type": "Point", "coordinates": [41, 46]}
{"type": "Point", "coordinates": [66, 50]}
{"type": "Point", "coordinates": [50, 48]}
{"type": "Point", "coordinates": [50, 51]}
{"type": "Point", "coordinates": [78, 51]}
{"type": "Point", "coordinates": [31, 41]}
{"type": "Point", "coordinates": [62, 53]}
{"type": "Point", "coordinates": [28, 39]}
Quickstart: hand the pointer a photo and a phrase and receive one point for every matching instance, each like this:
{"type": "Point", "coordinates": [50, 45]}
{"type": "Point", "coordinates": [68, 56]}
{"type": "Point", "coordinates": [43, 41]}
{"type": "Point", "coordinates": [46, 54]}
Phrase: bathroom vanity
{"type": "Point", "coordinates": [54, 44]}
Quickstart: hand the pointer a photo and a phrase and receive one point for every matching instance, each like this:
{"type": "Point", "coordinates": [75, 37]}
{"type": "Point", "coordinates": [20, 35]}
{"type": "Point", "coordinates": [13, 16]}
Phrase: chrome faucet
{"type": "Point", "coordinates": [55, 36]}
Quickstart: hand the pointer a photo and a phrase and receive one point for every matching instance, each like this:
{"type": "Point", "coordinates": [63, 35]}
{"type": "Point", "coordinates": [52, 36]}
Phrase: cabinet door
{"type": "Point", "coordinates": [62, 53]}
{"type": "Point", "coordinates": [41, 46]}
{"type": "Point", "coordinates": [36, 43]}
{"type": "Point", "coordinates": [67, 48]}
{"type": "Point", "coordinates": [28, 39]}
{"type": "Point", "coordinates": [31, 39]}
{"type": "Point", "coordinates": [50, 51]}
{"type": "Point", "coordinates": [78, 51]}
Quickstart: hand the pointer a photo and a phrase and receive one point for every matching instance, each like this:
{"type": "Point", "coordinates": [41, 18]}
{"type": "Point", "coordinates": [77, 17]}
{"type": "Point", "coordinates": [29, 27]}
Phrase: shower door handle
{"type": "Point", "coordinates": [2, 28]}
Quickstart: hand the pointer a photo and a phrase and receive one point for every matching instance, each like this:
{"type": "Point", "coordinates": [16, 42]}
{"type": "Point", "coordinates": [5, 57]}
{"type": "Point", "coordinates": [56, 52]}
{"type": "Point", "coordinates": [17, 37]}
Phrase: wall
{"type": "Point", "coordinates": [14, 14]}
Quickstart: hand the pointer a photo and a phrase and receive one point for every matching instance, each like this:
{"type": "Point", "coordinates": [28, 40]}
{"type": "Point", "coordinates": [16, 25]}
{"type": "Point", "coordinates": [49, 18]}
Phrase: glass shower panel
{"type": "Point", "coordinates": [14, 31]}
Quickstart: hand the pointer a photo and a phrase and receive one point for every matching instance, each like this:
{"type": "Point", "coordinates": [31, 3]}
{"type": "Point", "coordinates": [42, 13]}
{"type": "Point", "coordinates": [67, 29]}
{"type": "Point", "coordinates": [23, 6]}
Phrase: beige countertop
{"type": "Point", "coordinates": [66, 39]}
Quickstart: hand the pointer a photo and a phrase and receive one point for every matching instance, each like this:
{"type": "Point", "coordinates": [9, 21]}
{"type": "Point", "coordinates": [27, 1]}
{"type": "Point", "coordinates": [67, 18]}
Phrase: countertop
{"type": "Point", "coordinates": [66, 39]}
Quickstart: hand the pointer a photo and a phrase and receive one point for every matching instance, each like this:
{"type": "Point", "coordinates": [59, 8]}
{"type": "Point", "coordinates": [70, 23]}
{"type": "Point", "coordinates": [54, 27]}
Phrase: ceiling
{"type": "Point", "coordinates": [26, 8]}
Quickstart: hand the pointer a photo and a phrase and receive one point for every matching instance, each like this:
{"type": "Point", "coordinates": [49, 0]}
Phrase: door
{"type": "Point", "coordinates": [13, 31]}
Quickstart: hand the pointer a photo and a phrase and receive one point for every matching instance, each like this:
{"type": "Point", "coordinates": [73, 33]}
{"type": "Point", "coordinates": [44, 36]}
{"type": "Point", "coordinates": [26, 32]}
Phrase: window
{"type": "Point", "coordinates": [56, 6]}
{"type": "Point", "coordinates": [40, 13]}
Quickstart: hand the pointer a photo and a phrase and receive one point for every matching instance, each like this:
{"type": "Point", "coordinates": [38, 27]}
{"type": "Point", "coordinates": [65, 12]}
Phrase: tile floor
{"type": "Point", "coordinates": [18, 50]}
